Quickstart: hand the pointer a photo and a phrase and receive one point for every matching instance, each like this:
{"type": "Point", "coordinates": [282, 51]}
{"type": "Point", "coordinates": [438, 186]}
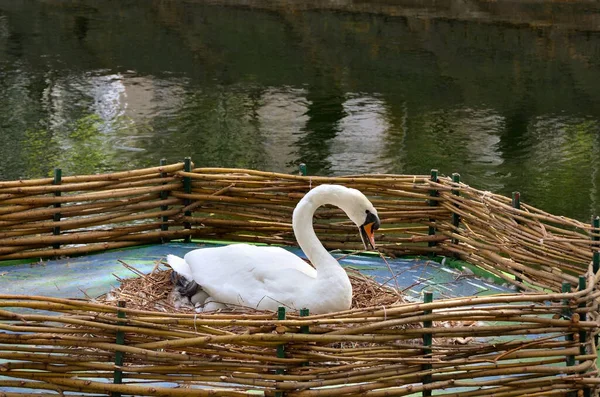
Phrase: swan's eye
{"type": "Point", "coordinates": [371, 218]}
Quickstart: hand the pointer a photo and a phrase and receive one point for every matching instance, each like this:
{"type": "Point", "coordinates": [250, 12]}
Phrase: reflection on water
{"type": "Point", "coordinates": [494, 93]}
{"type": "Point", "coordinates": [359, 145]}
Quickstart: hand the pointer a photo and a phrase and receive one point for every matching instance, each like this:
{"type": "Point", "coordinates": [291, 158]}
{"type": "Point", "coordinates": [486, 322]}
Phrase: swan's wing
{"type": "Point", "coordinates": [246, 275]}
{"type": "Point", "coordinates": [257, 290]}
{"type": "Point", "coordinates": [284, 288]}
{"type": "Point", "coordinates": [276, 258]}
{"type": "Point", "coordinates": [222, 261]}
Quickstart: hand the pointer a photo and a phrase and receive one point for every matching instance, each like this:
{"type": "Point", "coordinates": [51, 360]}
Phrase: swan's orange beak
{"type": "Point", "coordinates": [367, 234]}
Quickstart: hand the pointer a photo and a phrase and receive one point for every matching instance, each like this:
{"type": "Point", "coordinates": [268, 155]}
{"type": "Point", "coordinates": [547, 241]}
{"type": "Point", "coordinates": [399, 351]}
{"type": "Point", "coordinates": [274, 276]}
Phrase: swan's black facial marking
{"type": "Point", "coordinates": [372, 218]}
{"type": "Point", "coordinates": [368, 228]}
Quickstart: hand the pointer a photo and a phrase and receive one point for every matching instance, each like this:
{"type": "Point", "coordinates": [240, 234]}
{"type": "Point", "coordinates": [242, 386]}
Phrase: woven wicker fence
{"type": "Point", "coordinates": [540, 341]}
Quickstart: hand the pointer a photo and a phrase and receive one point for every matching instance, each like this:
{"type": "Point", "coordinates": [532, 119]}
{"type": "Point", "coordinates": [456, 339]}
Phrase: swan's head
{"type": "Point", "coordinates": [355, 204]}
{"type": "Point", "coordinates": [364, 215]}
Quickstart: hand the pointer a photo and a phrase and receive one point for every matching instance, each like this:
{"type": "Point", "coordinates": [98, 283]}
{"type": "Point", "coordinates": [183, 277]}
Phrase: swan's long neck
{"type": "Point", "coordinates": [305, 233]}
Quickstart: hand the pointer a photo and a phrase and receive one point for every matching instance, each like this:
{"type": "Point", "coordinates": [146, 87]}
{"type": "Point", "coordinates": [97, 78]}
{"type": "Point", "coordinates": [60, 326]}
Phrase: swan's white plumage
{"type": "Point", "coordinates": [244, 265]}
{"type": "Point", "coordinates": [269, 277]}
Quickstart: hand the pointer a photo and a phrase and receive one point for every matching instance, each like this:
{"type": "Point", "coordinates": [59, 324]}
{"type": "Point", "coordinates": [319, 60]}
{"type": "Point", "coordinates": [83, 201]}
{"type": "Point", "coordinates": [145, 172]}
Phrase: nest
{"type": "Point", "coordinates": [152, 292]}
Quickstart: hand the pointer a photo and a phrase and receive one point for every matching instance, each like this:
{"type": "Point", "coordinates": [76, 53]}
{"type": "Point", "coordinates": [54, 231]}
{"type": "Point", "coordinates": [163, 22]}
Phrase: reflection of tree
{"type": "Point", "coordinates": [568, 153]}
{"type": "Point", "coordinates": [517, 137]}
{"type": "Point", "coordinates": [23, 123]}
{"type": "Point", "coordinates": [432, 139]}
{"type": "Point", "coordinates": [325, 110]}
{"type": "Point", "coordinates": [83, 149]}
{"type": "Point", "coordinates": [78, 149]}
{"type": "Point", "coordinates": [81, 26]}
{"type": "Point", "coordinates": [595, 174]}
{"type": "Point", "coordinates": [40, 153]}
{"type": "Point", "coordinates": [218, 127]}
{"type": "Point", "coordinates": [325, 96]}
{"type": "Point", "coordinates": [395, 146]}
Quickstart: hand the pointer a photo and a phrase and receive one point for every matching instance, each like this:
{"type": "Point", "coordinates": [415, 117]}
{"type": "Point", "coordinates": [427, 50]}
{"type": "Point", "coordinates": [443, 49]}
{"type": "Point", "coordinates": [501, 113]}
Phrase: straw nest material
{"type": "Point", "coordinates": [152, 291]}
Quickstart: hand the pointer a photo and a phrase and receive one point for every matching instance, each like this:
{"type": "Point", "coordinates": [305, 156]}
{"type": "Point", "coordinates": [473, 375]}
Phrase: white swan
{"type": "Point", "coordinates": [268, 277]}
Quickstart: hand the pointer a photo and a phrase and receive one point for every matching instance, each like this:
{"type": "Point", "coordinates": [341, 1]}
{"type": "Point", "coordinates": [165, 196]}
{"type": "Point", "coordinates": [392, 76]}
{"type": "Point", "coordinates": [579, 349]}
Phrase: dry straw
{"type": "Point", "coordinates": [538, 341]}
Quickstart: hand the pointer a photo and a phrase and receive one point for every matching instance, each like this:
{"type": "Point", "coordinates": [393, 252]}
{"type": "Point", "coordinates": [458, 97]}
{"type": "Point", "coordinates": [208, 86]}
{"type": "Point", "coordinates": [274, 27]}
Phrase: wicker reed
{"type": "Point", "coordinates": [539, 341]}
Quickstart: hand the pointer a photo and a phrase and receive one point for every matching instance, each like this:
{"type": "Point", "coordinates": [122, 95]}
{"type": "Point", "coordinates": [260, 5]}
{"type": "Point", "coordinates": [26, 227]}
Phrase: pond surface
{"type": "Point", "coordinates": [506, 94]}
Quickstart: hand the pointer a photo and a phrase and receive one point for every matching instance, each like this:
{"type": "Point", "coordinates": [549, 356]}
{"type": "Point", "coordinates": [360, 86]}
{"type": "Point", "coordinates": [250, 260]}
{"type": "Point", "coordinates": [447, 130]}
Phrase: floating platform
{"type": "Point", "coordinates": [524, 323]}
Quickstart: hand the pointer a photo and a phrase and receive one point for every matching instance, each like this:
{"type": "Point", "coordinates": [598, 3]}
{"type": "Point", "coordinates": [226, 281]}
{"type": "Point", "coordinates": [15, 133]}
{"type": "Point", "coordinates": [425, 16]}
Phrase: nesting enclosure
{"type": "Point", "coordinates": [539, 341]}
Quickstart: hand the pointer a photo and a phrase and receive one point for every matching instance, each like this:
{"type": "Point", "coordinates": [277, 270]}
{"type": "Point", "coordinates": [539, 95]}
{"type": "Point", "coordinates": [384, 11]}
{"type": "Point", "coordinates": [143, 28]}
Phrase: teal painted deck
{"type": "Point", "coordinates": [94, 275]}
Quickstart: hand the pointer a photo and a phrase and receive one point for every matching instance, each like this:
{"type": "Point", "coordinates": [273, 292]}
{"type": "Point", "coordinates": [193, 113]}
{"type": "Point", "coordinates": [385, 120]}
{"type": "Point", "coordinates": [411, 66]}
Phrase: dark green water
{"type": "Point", "coordinates": [495, 93]}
